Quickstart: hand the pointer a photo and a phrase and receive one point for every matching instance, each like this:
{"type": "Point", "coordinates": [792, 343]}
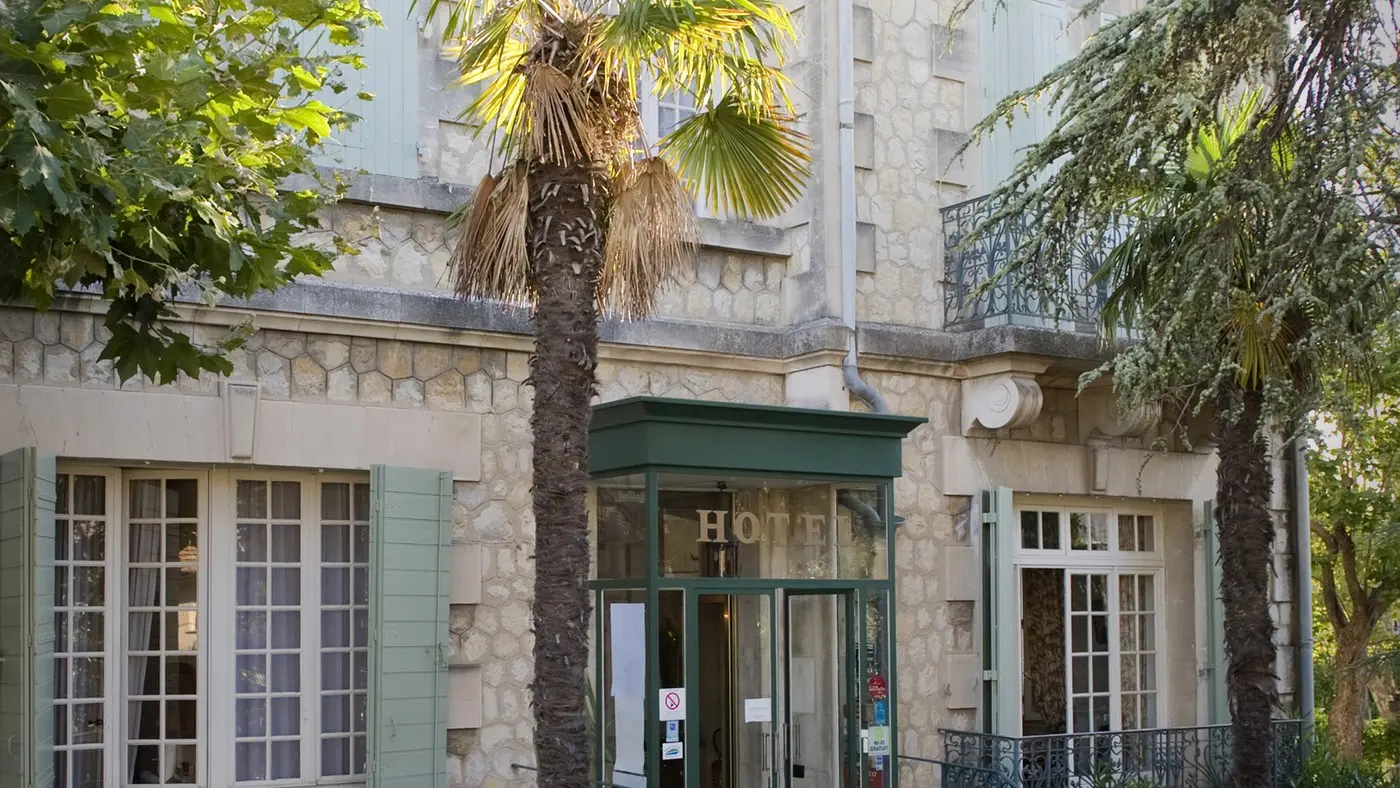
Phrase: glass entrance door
{"type": "Point", "coordinates": [822, 737]}
{"type": "Point", "coordinates": [733, 712]}
{"type": "Point", "coordinates": [770, 686]}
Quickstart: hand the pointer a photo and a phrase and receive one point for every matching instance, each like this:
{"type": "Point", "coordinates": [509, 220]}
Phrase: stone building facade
{"type": "Point", "coordinates": [379, 365]}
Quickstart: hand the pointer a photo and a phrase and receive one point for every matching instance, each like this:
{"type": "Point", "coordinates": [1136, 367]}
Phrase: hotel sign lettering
{"type": "Point", "coordinates": [750, 528]}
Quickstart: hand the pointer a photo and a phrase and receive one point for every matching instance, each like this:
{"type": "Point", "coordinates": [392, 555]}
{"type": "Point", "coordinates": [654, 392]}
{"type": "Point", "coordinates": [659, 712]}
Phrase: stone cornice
{"type": "Point", "coordinates": [430, 195]}
{"type": "Point", "coordinates": [429, 316]}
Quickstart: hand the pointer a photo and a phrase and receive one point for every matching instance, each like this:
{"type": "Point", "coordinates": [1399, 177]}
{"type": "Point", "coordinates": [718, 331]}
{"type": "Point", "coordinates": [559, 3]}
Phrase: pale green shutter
{"type": "Point", "coordinates": [1217, 703]}
{"type": "Point", "coordinates": [997, 83]}
{"type": "Point", "coordinates": [1027, 42]}
{"type": "Point", "coordinates": [412, 579]}
{"type": "Point", "coordinates": [385, 140]}
{"type": "Point", "coordinates": [1001, 616]}
{"type": "Point", "coordinates": [26, 619]}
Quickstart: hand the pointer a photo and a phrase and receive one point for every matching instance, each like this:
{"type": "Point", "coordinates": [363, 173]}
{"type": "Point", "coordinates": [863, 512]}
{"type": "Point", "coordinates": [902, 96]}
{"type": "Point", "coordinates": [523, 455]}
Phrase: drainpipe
{"type": "Point", "coordinates": [1303, 546]}
{"type": "Point", "coordinates": [846, 113]}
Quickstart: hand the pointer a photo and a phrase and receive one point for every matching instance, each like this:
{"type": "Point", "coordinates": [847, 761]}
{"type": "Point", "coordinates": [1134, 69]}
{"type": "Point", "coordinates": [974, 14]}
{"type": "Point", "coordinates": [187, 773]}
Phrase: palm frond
{"type": "Point", "coordinates": [747, 165]}
{"type": "Point", "coordinates": [492, 56]}
{"type": "Point", "coordinates": [466, 18]}
{"type": "Point", "coordinates": [490, 259]}
{"type": "Point", "coordinates": [1127, 279]}
{"type": "Point", "coordinates": [642, 28]}
{"type": "Point", "coordinates": [492, 42]}
{"type": "Point", "coordinates": [1262, 342]}
{"type": "Point", "coordinates": [695, 45]}
{"type": "Point", "coordinates": [651, 234]}
{"type": "Point", "coordinates": [555, 115]}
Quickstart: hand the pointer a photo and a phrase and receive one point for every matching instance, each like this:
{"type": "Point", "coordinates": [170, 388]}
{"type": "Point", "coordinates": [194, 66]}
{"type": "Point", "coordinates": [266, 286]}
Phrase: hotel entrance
{"type": "Point", "coordinates": [743, 603]}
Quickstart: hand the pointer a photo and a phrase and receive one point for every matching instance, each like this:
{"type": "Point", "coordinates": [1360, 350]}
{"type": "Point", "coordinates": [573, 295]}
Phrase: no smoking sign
{"type": "Point", "coordinates": [672, 704]}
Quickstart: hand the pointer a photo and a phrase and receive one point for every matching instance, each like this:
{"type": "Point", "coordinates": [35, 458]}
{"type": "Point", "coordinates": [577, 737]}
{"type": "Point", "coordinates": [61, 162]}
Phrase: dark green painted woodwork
{"type": "Point", "coordinates": [633, 434]}
{"type": "Point", "coordinates": [653, 437]}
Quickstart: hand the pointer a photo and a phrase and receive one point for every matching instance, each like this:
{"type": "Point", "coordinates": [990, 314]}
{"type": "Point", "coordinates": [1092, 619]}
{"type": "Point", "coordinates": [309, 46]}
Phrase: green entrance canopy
{"type": "Point", "coordinates": [633, 434]}
{"type": "Point", "coordinates": [744, 598]}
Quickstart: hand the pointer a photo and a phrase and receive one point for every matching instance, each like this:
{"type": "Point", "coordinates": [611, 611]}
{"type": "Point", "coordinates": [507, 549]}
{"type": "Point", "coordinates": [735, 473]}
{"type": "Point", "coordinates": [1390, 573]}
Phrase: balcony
{"type": "Point", "coordinates": [969, 304]}
{"type": "Point", "coordinates": [1159, 758]}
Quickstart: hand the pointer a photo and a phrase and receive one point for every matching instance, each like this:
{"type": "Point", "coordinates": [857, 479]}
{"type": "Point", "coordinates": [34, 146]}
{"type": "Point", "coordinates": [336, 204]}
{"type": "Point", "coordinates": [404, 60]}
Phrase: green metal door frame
{"type": "Point", "coordinates": [693, 592]}
{"type": "Point", "coordinates": [850, 756]}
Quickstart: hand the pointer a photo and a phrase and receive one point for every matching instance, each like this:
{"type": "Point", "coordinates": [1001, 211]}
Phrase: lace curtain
{"type": "Point", "coordinates": [1043, 657]}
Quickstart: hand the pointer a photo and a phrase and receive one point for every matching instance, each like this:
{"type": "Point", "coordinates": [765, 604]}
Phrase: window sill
{"type": "Point", "coordinates": [434, 196]}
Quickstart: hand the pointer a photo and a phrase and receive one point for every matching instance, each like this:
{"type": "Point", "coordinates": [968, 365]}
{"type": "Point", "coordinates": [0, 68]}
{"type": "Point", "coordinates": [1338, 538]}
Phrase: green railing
{"type": "Point", "coordinates": [1158, 758]}
{"type": "Point", "coordinates": [973, 295]}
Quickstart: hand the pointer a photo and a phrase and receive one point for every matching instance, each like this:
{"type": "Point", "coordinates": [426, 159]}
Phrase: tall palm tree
{"type": "Point", "coordinates": [585, 214]}
{"type": "Point", "coordinates": [1185, 214]}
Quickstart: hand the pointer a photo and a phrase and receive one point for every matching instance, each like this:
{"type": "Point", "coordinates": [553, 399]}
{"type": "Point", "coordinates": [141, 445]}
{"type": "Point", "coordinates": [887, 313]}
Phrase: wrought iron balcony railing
{"type": "Point", "coordinates": [1159, 758]}
{"type": "Point", "coordinates": [968, 303]}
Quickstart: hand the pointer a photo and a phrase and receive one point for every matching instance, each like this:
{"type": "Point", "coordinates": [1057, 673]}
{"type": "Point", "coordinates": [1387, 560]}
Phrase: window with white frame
{"type": "Point", "coordinates": [210, 623]}
{"type": "Point", "coordinates": [80, 622]}
{"type": "Point", "coordinates": [1090, 581]}
{"type": "Point", "coordinates": [662, 114]}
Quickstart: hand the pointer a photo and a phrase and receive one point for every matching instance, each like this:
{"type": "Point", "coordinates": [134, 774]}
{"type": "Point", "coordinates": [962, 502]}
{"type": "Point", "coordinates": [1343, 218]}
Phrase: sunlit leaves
{"type": "Point", "coordinates": [558, 83]}
{"type": "Point", "coordinates": [142, 146]}
{"type": "Point", "coordinates": [749, 166]}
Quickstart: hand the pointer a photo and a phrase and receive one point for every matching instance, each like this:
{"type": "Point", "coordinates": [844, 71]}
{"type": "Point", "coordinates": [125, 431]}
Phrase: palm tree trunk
{"type": "Point", "coordinates": [1243, 485]}
{"type": "Point", "coordinates": [566, 252]}
{"type": "Point", "coordinates": [1346, 719]}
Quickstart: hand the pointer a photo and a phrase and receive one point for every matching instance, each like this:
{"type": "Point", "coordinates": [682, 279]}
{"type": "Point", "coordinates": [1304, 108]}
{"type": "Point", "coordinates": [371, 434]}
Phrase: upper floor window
{"type": "Point", "coordinates": [662, 114]}
{"type": "Point", "coordinates": [1086, 532]}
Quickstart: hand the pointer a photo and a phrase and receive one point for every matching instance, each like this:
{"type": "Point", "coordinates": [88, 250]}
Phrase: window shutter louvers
{"type": "Point", "coordinates": [385, 139]}
{"type": "Point", "coordinates": [411, 568]}
{"type": "Point", "coordinates": [1217, 703]}
{"type": "Point", "coordinates": [1002, 680]}
{"type": "Point", "coordinates": [27, 497]}
{"type": "Point", "coordinates": [1027, 41]}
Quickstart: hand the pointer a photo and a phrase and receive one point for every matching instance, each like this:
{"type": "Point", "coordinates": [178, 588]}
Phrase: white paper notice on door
{"type": "Point", "coordinates": [629, 649]}
{"type": "Point", "coordinates": [758, 710]}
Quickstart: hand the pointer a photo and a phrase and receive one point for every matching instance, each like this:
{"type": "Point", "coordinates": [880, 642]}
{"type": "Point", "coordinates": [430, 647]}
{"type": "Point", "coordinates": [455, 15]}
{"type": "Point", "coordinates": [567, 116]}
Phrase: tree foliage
{"type": "Point", "coordinates": [1245, 153]}
{"type": "Point", "coordinates": [1293, 256]}
{"type": "Point", "coordinates": [585, 214]}
{"type": "Point", "coordinates": [1355, 486]}
{"type": "Point", "coordinates": [740, 153]}
{"type": "Point", "coordinates": [142, 145]}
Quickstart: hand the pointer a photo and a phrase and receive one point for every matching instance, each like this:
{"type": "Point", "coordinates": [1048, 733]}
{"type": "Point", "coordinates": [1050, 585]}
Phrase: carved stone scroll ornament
{"type": "Point", "coordinates": [997, 402]}
{"type": "Point", "coordinates": [1100, 416]}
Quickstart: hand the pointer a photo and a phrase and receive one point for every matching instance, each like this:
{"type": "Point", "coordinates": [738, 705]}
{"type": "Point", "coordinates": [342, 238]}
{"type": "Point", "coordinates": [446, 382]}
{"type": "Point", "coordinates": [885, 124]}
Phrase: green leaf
{"type": "Point", "coordinates": [36, 164]}
{"type": "Point", "coordinates": [67, 100]}
{"type": "Point", "coordinates": [308, 118]}
{"type": "Point", "coordinates": [305, 78]}
{"type": "Point", "coordinates": [165, 15]}
{"type": "Point", "coordinates": [17, 207]}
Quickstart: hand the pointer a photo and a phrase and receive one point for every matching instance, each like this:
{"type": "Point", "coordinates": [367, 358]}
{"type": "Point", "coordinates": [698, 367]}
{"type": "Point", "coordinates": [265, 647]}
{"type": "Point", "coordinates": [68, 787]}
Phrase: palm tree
{"type": "Point", "coordinates": [1186, 214]}
{"type": "Point", "coordinates": [586, 215]}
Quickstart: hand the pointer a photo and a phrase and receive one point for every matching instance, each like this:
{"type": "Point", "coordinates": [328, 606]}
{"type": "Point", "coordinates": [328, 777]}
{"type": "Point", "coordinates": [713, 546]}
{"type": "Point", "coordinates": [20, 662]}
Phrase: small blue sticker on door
{"type": "Point", "coordinates": [673, 730]}
{"type": "Point", "coordinates": [672, 751]}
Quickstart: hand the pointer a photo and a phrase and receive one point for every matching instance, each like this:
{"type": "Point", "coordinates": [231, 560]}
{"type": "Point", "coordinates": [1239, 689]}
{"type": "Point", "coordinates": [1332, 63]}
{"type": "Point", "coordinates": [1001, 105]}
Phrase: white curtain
{"type": "Point", "coordinates": [269, 627]}
{"type": "Point", "coordinates": [145, 546]}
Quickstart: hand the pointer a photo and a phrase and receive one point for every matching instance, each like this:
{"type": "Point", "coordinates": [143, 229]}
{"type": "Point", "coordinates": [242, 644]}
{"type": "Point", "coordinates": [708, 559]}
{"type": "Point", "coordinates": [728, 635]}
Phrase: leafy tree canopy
{"type": "Point", "coordinates": [1354, 481]}
{"type": "Point", "coordinates": [1354, 478]}
{"type": "Point", "coordinates": [141, 148]}
{"type": "Point", "coordinates": [1247, 151]}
